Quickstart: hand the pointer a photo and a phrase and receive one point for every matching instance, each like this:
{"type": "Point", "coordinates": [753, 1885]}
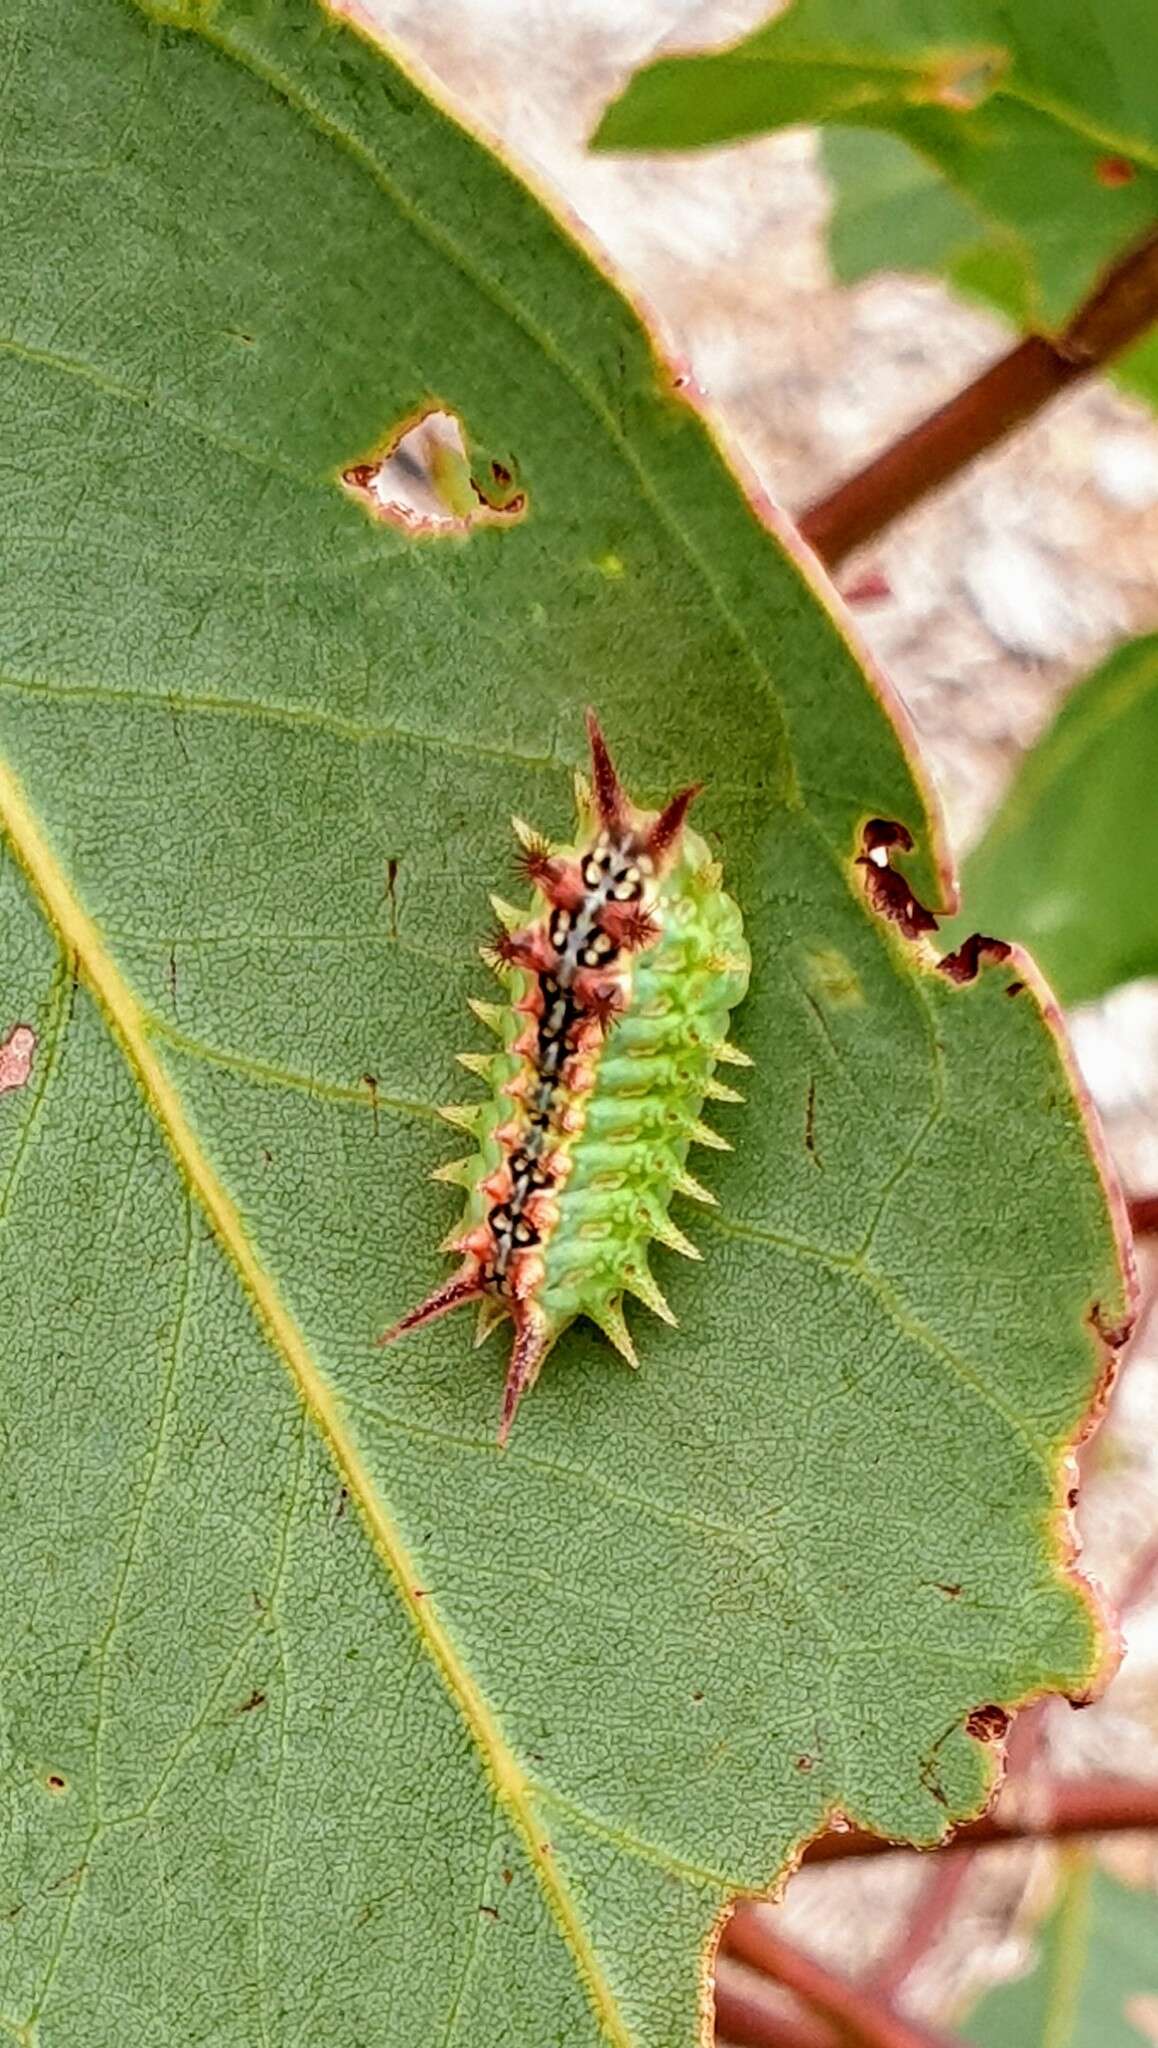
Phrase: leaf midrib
{"type": "Point", "coordinates": [80, 939]}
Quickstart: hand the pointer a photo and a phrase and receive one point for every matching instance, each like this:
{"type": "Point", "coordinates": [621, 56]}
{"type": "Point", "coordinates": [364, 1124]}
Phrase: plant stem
{"type": "Point", "coordinates": [1029, 1811]}
{"type": "Point", "coordinates": [751, 2013]}
{"type": "Point", "coordinates": [857, 2011]}
{"type": "Point", "coordinates": [940, 1893]}
{"type": "Point", "coordinates": [1124, 305]}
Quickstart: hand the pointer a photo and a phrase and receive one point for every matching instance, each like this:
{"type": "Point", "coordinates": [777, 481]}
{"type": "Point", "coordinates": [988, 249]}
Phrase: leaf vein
{"type": "Point", "coordinates": [445, 245]}
{"type": "Point", "coordinates": [308, 715]}
{"type": "Point", "coordinates": [271, 1075]}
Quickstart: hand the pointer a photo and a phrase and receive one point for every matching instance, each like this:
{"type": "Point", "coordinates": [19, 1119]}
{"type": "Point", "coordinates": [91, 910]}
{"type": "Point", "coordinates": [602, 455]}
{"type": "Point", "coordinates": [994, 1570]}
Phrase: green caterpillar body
{"type": "Point", "coordinates": [620, 982]}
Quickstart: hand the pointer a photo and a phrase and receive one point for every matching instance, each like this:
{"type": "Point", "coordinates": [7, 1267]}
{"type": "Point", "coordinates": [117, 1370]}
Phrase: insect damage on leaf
{"type": "Point", "coordinates": [16, 1057]}
{"type": "Point", "coordinates": [620, 982]}
{"type": "Point", "coordinates": [886, 888]}
{"type": "Point", "coordinates": [426, 481]}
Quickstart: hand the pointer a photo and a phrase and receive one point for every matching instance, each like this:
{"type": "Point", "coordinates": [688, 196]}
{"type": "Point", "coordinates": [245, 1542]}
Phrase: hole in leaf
{"type": "Point", "coordinates": [988, 1724]}
{"type": "Point", "coordinates": [965, 963]}
{"type": "Point", "coordinates": [427, 480]}
{"type": "Point", "coordinates": [1114, 1334]}
{"type": "Point", "coordinates": [16, 1057]}
{"type": "Point", "coordinates": [886, 889]}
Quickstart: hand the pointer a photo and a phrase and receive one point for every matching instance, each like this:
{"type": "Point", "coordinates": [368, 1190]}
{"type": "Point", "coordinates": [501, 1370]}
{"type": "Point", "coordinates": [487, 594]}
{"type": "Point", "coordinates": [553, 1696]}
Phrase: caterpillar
{"type": "Point", "coordinates": [620, 981]}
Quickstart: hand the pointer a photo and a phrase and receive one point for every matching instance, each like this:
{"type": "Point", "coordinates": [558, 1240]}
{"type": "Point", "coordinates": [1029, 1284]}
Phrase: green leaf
{"type": "Point", "coordinates": [326, 1719]}
{"type": "Point", "coordinates": [1069, 864]}
{"type": "Point", "coordinates": [1052, 138]}
{"type": "Point", "coordinates": [1095, 1982]}
{"type": "Point", "coordinates": [894, 210]}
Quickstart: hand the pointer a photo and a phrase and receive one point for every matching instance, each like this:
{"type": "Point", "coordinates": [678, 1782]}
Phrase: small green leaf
{"type": "Point", "coordinates": [327, 1720]}
{"type": "Point", "coordinates": [1051, 138]}
{"type": "Point", "coordinates": [1069, 864]}
{"type": "Point", "coordinates": [1095, 1981]}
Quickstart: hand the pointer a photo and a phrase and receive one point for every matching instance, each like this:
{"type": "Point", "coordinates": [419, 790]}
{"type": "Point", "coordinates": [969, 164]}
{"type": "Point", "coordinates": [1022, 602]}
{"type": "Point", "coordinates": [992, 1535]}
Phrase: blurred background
{"type": "Point", "coordinates": [986, 604]}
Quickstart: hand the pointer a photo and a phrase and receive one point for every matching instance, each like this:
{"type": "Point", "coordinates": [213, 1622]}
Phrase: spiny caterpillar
{"type": "Point", "coordinates": [620, 985]}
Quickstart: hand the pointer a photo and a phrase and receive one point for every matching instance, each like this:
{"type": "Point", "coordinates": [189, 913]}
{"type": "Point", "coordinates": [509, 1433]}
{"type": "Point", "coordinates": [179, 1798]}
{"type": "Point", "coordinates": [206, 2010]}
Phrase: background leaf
{"type": "Point", "coordinates": [1095, 1981]}
{"type": "Point", "coordinates": [1052, 138]}
{"type": "Point", "coordinates": [1069, 863]}
{"type": "Point", "coordinates": [894, 210]}
{"type": "Point", "coordinates": [326, 1719]}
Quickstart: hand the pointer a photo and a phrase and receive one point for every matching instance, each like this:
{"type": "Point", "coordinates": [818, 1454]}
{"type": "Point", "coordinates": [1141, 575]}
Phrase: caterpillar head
{"type": "Point", "coordinates": [651, 836]}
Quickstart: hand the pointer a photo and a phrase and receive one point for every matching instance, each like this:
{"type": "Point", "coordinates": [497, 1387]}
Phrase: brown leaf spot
{"type": "Point", "coordinates": [370, 1081]}
{"type": "Point", "coordinates": [256, 1699]}
{"type": "Point", "coordinates": [1113, 171]}
{"type": "Point", "coordinates": [932, 1783]}
{"type": "Point", "coordinates": [16, 1057]}
{"type": "Point", "coordinates": [392, 893]}
{"type": "Point", "coordinates": [810, 1124]}
{"type": "Point", "coordinates": [55, 1783]}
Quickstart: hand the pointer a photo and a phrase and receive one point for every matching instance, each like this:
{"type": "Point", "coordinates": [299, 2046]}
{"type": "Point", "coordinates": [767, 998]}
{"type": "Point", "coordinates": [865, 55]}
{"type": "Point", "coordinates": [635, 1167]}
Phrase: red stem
{"type": "Point", "coordinates": [1028, 1811]}
{"type": "Point", "coordinates": [1123, 307]}
{"type": "Point", "coordinates": [939, 1894]}
{"type": "Point", "coordinates": [855, 2009]}
{"type": "Point", "coordinates": [751, 2014]}
{"type": "Point", "coordinates": [1143, 1210]}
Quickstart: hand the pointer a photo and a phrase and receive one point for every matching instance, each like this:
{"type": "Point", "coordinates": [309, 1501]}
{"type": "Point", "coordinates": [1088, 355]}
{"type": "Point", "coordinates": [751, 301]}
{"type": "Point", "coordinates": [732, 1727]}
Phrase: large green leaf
{"type": "Point", "coordinates": [894, 210]}
{"type": "Point", "coordinates": [326, 1719]}
{"type": "Point", "coordinates": [1095, 1981]}
{"type": "Point", "coordinates": [1069, 864]}
{"type": "Point", "coordinates": [1048, 130]}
